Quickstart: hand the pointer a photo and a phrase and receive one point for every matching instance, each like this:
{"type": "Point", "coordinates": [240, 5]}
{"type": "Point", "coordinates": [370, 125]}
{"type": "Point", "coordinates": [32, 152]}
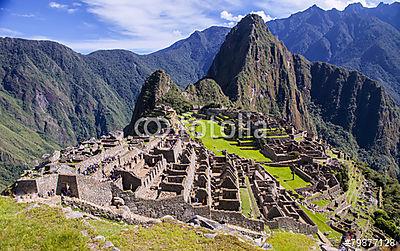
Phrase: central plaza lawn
{"type": "Point", "coordinates": [212, 136]}
{"type": "Point", "coordinates": [285, 177]}
{"type": "Point", "coordinates": [321, 203]}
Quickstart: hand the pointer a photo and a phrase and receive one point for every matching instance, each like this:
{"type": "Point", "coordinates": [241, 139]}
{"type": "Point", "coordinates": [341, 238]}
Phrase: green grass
{"type": "Point", "coordinates": [321, 221]}
{"type": "Point", "coordinates": [23, 227]}
{"type": "Point", "coordinates": [213, 138]}
{"type": "Point", "coordinates": [355, 183]}
{"type": "Point", "coordinates": [255, 211]}
{"type": "Point", "coordinates": [286, 241]}
{"type": "Point", "coordinates": [321, 203]}
{"type": "Point", "coordinates": [284, 176]}
{"type": "Point", "coordinates": [246, 203]}
{"type": "Point", "coordinates": [166, 236]}
{"type": "Point", "coordinates": [42, 228]}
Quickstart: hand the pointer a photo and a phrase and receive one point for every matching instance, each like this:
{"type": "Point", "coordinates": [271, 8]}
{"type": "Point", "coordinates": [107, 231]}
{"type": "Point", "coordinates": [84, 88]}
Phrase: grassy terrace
{"type": "Point", "coordinates": [321, 203]}
{"type": "Point", "coordinates": [285, 177]}
{"type": "Point", "coordinates": [249, 205]}
{"type": "Point", "coordinates": [323, 226]}
{"type": "Point", "coordinates": [25, 227]}
{"type": "Point", "coordinates": [355, 183]}
{"type": "Point", "coordinates": [212, 136]}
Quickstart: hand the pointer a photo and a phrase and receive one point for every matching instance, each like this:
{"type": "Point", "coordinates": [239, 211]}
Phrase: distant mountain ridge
{"type": "Point", "coordinates": [364, 39]}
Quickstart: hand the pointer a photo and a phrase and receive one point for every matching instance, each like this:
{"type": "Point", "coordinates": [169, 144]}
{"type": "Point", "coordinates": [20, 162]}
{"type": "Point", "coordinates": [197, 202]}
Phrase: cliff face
{"type": "Point", "coordinates": [361, 107]}
{"type": "Point", "coordinates": [257, 72]}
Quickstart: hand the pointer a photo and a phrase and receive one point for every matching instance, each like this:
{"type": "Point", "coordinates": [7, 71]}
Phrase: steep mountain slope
{"type": "Point", "coordinates": [257, 72]}
{"type": "Point", "coordinates": [49, 96]}
{"type": "Point", "coordinates": [158, 89]}
{"type": "Point", "coordinates": [364, 39]}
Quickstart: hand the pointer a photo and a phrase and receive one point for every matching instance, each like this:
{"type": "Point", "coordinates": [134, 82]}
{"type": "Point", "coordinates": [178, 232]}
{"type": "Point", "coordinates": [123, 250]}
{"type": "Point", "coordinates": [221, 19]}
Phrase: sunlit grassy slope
{"type": "Point", "coordinates": [28, 227]}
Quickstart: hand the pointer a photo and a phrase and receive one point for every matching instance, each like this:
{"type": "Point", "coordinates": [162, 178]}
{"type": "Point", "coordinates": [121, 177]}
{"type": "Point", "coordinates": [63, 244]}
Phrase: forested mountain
{"type": "Point", "coordinates": [364, 39]}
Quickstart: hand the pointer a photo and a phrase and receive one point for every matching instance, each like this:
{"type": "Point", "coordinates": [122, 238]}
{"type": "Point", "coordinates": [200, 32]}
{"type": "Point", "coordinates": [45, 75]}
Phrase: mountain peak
{"type": "Point", "coordinates": [158, 89]}
{"type": "Point", "coordinates": [354, 7]}
{"type": "Point", "coordinates": [255, 70]}
{"type": "Point", "coordinates": [251, 22]}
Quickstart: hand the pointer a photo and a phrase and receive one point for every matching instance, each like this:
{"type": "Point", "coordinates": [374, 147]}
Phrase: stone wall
{"type": "Point", "coordinates": [47, 184]}
{"type": "Point", "coordinates": [290, 224]}
{"type": "Point", "coordinates": [118, 150]}
{"type": "Point", "coordinates": [302, 174]}
{"type": "Point", "coordinates": [175, 206]}
{"type": "Point", "coordinates": [106, 213]}
{"type": "Point", "coordinates": [94, 191]}
{"type": "Point", "coordinates": [237, 219]}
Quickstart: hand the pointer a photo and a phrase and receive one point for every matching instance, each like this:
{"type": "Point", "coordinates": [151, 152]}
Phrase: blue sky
{"type": "Point", "coordinates": [142, 26]}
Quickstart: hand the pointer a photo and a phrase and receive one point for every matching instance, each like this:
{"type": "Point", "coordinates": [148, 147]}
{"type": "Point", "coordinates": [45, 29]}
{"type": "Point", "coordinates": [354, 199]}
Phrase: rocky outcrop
{"type": "Point", "coordinates": [158, 89]}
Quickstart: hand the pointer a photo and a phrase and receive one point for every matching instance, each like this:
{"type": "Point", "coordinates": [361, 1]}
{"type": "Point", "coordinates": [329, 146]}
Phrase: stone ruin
{"type": "Point", "coordinates": [175, 175]}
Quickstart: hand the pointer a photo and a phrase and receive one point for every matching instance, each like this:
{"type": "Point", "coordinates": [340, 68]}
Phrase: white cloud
{"type": "Point", "coordinates": [69, 9]}
{"type": "Point", "coordinates": [56, 5]}
{"type": "Point", "coordinates": [5, 32]}
{"type": "Point", "coordinates": [230, 17]}
{"type": "Point", "coordinates": [234, 19]}
{"type": "Point", "coordinates": [262, 14]}
{"type": "Point", "coordinates": [158, 23]}
{"type": "Point", "coordinates": [24, 15]}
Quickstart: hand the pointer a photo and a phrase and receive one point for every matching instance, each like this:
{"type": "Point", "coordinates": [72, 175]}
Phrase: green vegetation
{"type": "Point", "coordinates": [321, 221]}
{"type": "Point", "coordinates": [212, 136]}
{"type": "Point", "coordinates": [387, 219]}
{"type": "Point", "coordinates": [286, 241]}
{"type": "Point", "coordinates": [354, 183]}
{"type": "Point", "coordinates": [166, 236]}
{"type": "Point", "coordinates": [285, 177]}
{"type": "Point", "coordinates": [246, 203]}
{"type": "Point", "coordinates": [19, 145]}
{"type": "Point", "coordinates": [24, 227]}
{"type": "Point", "coordinates": [176, 100]}
{"type": "Point", "coordinates": [207, 92]}
{"type": "Point", "coordinates": [321, 203]}
{"type": "Point", "coordinates": [249, 205]}
{"type": "Point", "coordinates": [28, 227]}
